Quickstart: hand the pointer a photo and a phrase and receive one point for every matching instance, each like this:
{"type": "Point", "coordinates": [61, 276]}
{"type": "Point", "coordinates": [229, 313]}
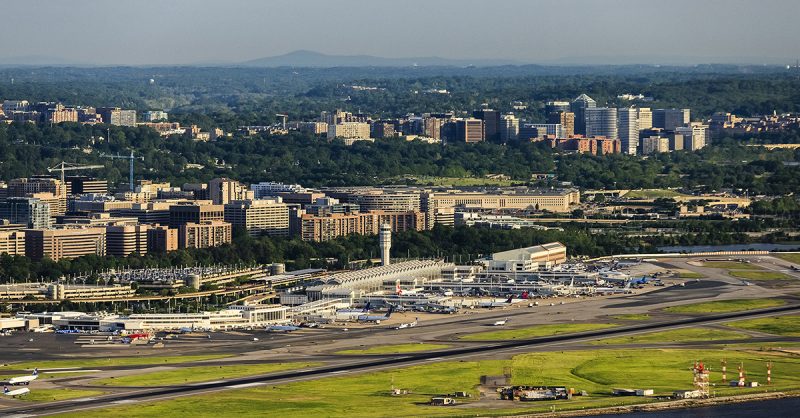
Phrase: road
{"type": "Point", "coordinates": [376, 364]}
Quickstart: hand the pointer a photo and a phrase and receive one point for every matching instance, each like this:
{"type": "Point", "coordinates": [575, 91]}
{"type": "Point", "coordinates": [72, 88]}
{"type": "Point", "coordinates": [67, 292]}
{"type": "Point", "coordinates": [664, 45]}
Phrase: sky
{"type": "Point", "coordinates": [149, 32]}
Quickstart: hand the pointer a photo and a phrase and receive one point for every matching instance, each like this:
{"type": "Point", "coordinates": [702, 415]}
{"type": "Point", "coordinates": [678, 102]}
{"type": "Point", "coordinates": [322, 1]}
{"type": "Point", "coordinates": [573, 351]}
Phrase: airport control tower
{"type": "Point", "coordinates": [385, 241]}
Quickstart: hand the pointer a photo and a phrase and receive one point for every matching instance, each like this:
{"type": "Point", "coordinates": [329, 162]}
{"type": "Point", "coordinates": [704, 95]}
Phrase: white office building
{"type": "Point", "coordinates": [628, 129]}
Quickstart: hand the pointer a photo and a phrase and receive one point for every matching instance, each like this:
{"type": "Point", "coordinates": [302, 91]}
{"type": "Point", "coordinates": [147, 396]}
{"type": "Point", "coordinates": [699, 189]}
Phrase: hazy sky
{"type": "Point", "coordinates": [192, 31]}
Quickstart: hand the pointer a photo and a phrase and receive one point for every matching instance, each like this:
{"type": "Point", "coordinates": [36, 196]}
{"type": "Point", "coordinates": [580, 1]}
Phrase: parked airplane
{"type": "Point", "coordinates": [494, 304]}
{"type": "Point", "coordinates": [376, 318]}
{"type": "Point", "coordinates": [16, 392]}
{"type": "Point", "coordinates": [408, 325]}
{"type": "Point", "coordinates": [24, 380]}
{"type": "Point", "coordinates": [282, 328]}
{"type": "Point", "coordinates": [500, 323]}
{"type": "Point", "coordinates": [352, 314]}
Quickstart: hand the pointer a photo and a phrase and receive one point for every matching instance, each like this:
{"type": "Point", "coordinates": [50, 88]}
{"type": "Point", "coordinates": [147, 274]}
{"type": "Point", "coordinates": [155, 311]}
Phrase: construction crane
{"type": "Point", "coordinates": [65, 166]}
{"type": "Point", "coordinates": [131, 158]}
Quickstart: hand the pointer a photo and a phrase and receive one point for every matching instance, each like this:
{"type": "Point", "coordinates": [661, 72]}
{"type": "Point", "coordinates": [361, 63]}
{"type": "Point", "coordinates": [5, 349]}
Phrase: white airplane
{"type": "Point", "coordinates": [24, 380]}
{"type": "Point", "coordinates": [282, 328]}
{"type": "Point", "coordinates": [500, 323]}
{"type": "Point", "coordinates": [408, 325]}
{"type": "Point", "coordinates": [16, 392]}
{"type": "Point", "coordinates": [376, 318]}
{"type": "Point", "coordinates": [494, 304]}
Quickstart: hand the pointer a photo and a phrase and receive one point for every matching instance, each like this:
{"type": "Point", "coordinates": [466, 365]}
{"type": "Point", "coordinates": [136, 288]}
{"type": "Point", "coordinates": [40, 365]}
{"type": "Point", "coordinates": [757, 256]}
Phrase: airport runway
{"type": "Point", "coordinates": [374, 365]}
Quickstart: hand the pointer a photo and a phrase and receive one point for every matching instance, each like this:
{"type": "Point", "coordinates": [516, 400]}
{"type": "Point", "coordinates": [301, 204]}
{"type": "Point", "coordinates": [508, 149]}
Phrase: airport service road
{"type": "Point", "coordinates": [492, 349]}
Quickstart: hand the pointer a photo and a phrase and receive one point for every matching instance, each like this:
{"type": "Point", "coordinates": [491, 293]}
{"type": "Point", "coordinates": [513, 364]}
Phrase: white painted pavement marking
{"type": "Point", "coordinates": [245, 385]}
{"type": "Point", "coordinates": [124, 401]}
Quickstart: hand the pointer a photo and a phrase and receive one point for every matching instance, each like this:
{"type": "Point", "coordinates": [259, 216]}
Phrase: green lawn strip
{"type": "Point", "coordinates": [50, 395]}
{"type": "Point", "coordinates": [45, 375]}
{"type": "Point", "coordinates": [792, 258]}
{"type": "Point", "coordinates": [595, 371]}
{"type": "Point", "coordinates": [759, 275]}
{"type": "Point", "coordinates": [675, 336]}
{"type": "Point", "coordinates": [112, 362]}
{"type": "Point", "coordinates": [195, 374]}
{"type": "Point", "coordinates": [787, 326]}
{"type": "Point", "coordinates": [651, 194]}
{"type": "Point", "coordinates": [533, 332]}
{"type": "Point", "coordinates": [730, 265]}
{"type": "Point", "coordinates": [690, 275]}
{"type": "Point", "coordinates": [395, 349]}
{"type": "Point", "coordinates": [632, 317]}
{"type": "Point", "coordinates": [724, 306]}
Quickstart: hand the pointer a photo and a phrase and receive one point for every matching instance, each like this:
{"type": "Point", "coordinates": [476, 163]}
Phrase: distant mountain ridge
{"type": "Point", "coordinates": [304, 58]}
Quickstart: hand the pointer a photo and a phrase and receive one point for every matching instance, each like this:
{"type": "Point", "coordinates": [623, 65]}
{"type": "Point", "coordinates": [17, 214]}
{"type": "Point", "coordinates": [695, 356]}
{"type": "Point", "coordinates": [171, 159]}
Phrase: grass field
{"type": "Point", "coordinates": [730, 265]}
{"type": "Point", "coordinates": [395, 349]}
{"type": "Point", "coordinates": [111, 362]}
{"type": "Point", "coordinates": [533, 332]}
{"type": "Point", "coordinates": [674, 336]}
{"type": "Point", "coordinates": [690, 275]}
{"type": "Point", "coordinates": [792, 258]}
{"type": "Point", "coordinates": [652, 194]}
{"type": "Point", "coordinates": [787, 326]}
{"type": "Point", "coordinates": [632, 317]}
{"type": "Point", "coordinates": [723, 306]}
{"type": "Point", "coordinates": [596, 371]}
{"type": "Point", "coordinates": [453, 181]}
{"type": "Point", "coordinates": [197, 374]}
{"type": "Point", "coordinates": [759, 275]}
{"type": "Point", "coordinates": [50, 395]}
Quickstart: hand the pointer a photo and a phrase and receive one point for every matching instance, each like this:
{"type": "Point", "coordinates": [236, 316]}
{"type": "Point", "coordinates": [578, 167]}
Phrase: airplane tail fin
{"type": "Point", "coordinates": [510, 298]}
{"type": "Point", "coordinates": [366, 307]}
{"type": "Point", "coordinates": [5, 389]}
{"type": "Point", "coordinates": [36, 371]}
{"type": "Point", "coordinates": [389, 313]}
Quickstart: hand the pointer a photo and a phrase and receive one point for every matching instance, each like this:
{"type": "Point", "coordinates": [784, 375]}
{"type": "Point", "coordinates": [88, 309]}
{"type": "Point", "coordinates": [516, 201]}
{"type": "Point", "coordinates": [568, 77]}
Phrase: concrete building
{"type": "Point", "coordinates": [491, 123]}
{"type": "Point", "coordinates": [28, 211]}
{"type": "Point", "coordinates": [195, 213]}
{"type": "Point", "coordinates": [509, 128]}
{"type": "Point", "coordinates": [645, 117]}
{"type": "Point", "coordinates": [271, 188]}
{"type": "Point", "coordinates": [117, 116]}
{"type": "Point", "coordinates": [564, 118]}
{"type": "Point", "coordinates": [23, 187]}
{"type": "Point", "coordinates": [543, 129]}
{"type": "Point", "coordinates": [556, 107]}
{"type": "Point", "coordinates": [58, 114]}
{"type": "Point", "coordinates": [223, 190]}
{"type": "Point", "coordinates": [147, 213]}
{"type": "Point", "coordinates": [12, 242]}
{"type": "Point", "coordinates": [655, 144]}
{"type": "Point", "coordinates": [325, 228]}
{"type": "Point", "coordinates": [439, 206]}
{"type": "Point", "coordinates": [385, 243]}
{"type": "Point", "coordinates": [669, 119]}
{"type": "Point", "coordinates": [602, 121]}
{"type": "Point", "coordinates": [204, 234]}
{"type": "Point", "coordinates": [694, 136]}
{"type": "Point", "coordinates": [469, 130]}
{"type": "Point", "coordinates": [374, 199]}
{"type": "Point", "coordinates": [348, 130]}
{"type": "Point", "coordinates": [432, 127]}
{"type": "Point", "coordinates": [161, 238]}
{"type": "Point", "coordinates": [259, 217]}
{"type": "Point", "coordinates": [124, 240]}
{"type": "Point", "coordinates": [628, 129]}
{"type": "Point", "coordinates": [71, 242]}
{"type": "Point", "coordinates": [155, 116]}
{"type": "Point", "coordinates": [578, 107]}
{"type": "Point", "coordinates": [85, 185]}
{"type": "Point", "coordinates": [528, 259]}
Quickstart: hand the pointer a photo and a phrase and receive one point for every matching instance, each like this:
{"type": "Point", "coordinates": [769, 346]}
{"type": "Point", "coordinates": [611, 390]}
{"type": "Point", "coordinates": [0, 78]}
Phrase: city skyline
{"type": "Point", "coordinates": [206, 32]}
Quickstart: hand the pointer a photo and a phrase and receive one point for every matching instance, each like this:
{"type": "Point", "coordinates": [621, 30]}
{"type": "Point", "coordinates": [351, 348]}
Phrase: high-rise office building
{"type": "Point", "coordinates": [117, 116]}
{"type": "Point", "coordinates": [71, 242]}
{"type": "Point", "coordinates": [669, 119]}
{"type": "Point", "coordinates": [469, 130]}
{"type": "Point", "coordinates": [12, 242]}
{"type": "Point", "coordinates": [124, 240]}
{"type": "Point", "coordinates": [578, 107]}
{"type": "Point", "coordinates": [565, 119]}
{"type": "Point", "coordinates": [204, 234]}
{"type": "Point", "coordinates": [602, 121]}
{"type": "Point", "coordinates": [628, 129]}
{"type": "Point", "coordinates": [85, 185]}
{"type": "Point", "coordinates": [509, 128]}
{"type": "Point", "coordinates": [161, 238]}
{"type": "Point", "coordinates": [223, 190]}
{"type": "Point", "coordinates": [432, 127]}
{"type": "Point", "coordinates": [348, 130]}
{"type": "Point", "coordinates": [195, 213]}
{"type": "Point", "coordinates": [28, 211]}
{"type": "Point", "coordinates": [694, 136]}
{"type": "Point", "coordinates": [645, 118]}
{"type": "Point", "coordinates": [491, 123]}
{"type": "Point", "coordinates": [259, 217]}
{"type": "Point", "coordinates": [556, 107]}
